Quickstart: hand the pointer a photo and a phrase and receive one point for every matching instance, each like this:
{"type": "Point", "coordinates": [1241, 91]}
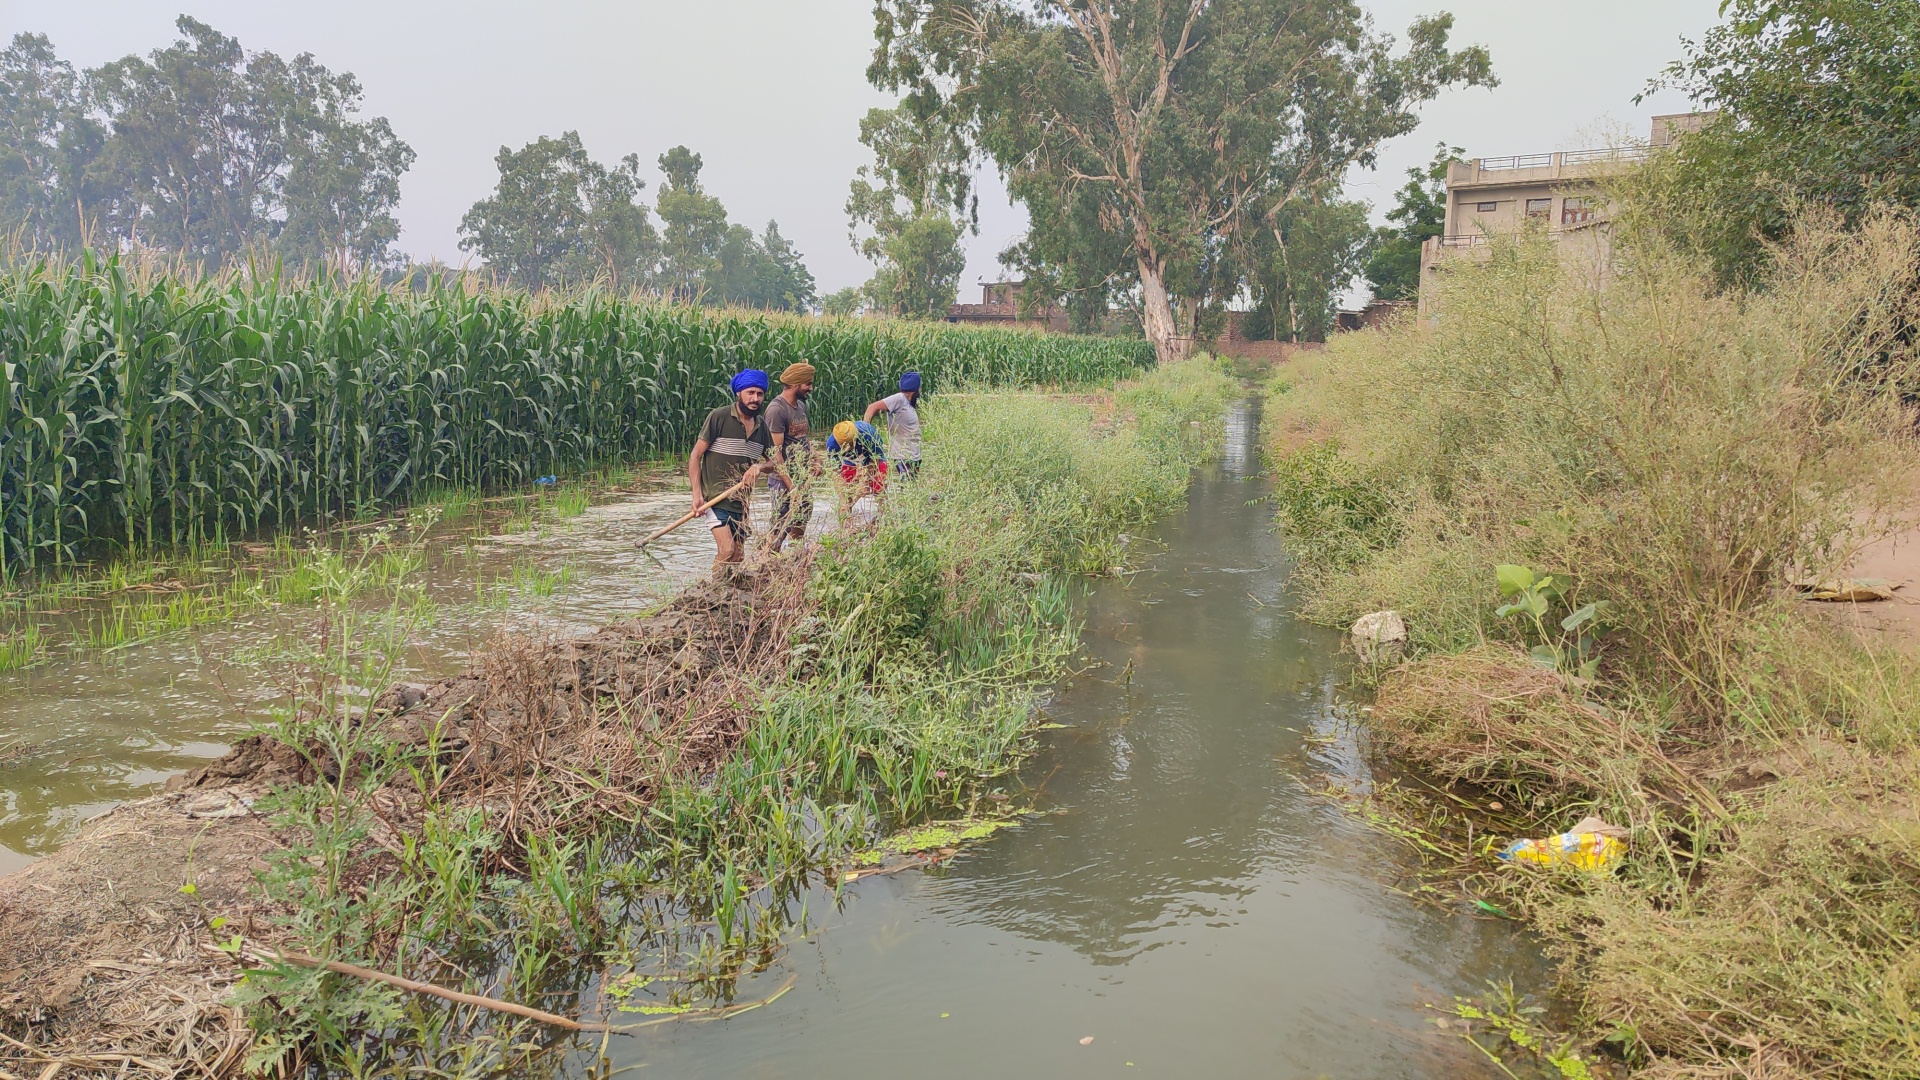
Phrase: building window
{"type": "Point", "coordinates": [1576, 211]}
{"type": "Point", "coordinates": [1485, 207]}
{"type": "Point", "coordinates": [1539, 208]}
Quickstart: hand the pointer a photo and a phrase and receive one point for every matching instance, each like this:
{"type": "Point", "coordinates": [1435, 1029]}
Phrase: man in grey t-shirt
{"type": "Point", "coordinates": [793, 453]}
{"type": "Point", "coordinates": [903, 425]}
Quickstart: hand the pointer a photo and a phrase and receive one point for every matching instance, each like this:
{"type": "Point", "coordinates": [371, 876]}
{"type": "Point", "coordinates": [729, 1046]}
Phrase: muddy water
{"type": "Point", "coordinates": [1193, 904]}
{"type": "Point", "coordinates": [83, 732]}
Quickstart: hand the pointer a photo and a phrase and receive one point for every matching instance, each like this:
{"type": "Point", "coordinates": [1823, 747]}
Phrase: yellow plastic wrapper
{"type": "Point", "coordinates": [1586, 850]}
{"type": "Point", "coordinates": [1590, 845]}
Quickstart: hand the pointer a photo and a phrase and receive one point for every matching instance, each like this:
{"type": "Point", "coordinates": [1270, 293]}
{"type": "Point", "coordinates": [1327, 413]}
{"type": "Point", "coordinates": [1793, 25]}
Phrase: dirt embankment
{"type": "Point", "coordinates": [113, 968]}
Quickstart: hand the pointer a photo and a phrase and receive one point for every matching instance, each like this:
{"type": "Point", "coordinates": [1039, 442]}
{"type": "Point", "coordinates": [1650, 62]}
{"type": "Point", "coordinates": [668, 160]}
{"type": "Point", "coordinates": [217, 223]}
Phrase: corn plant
{"type": "Point", "coordinates": [144, 409]}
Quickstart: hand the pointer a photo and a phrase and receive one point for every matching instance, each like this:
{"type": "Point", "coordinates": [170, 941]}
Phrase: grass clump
{"type": "Point", "coordinates": [1669, 457]}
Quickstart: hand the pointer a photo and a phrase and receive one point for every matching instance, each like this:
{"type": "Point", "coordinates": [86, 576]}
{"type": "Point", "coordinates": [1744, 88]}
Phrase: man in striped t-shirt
{"type": "Point", "coordinates": [733, 444]}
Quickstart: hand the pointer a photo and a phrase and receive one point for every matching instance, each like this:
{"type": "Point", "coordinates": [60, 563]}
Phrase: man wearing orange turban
{"type": "Point", "coordinates": [792, 454]}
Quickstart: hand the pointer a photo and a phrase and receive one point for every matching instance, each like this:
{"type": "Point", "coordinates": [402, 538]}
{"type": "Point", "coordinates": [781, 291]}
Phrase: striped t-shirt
{"type": "Point", "coordinates": [731, 451]}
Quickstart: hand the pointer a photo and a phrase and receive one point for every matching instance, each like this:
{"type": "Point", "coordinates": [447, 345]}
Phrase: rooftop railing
{"type": "Point", "coordinates": [1560, 158]}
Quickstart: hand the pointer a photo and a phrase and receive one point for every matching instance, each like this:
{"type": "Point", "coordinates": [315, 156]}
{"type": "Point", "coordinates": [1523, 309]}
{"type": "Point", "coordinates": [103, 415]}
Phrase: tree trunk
{"type": "Point", "coordinates": [1156, 313]}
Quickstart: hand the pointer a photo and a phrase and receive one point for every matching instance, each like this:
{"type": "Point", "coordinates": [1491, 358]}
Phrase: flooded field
{"type": "Point", "coordinates": [87, 729]}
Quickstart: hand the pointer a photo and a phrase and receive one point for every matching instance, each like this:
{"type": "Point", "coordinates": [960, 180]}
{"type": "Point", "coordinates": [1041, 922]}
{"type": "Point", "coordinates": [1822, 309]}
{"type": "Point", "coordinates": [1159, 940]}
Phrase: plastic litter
{"type": "Point", "coordinates": [1849, 590]}
{"type": "Point", "coordinates": [1591, 845]}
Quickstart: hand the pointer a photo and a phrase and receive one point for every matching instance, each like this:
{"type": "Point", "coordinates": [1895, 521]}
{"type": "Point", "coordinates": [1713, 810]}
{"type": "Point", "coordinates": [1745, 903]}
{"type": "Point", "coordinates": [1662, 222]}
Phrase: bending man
{"type": "Point", "coordinates": [903, 424]}
{"type": "Point", "coordinates": [727, 458]}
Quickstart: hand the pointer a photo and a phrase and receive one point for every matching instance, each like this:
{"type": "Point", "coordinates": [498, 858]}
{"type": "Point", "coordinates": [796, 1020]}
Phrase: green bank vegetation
{"type": "Point", "coordinates": [900, 688]}
{"type": "Point", "coordinates": [1675, 457]}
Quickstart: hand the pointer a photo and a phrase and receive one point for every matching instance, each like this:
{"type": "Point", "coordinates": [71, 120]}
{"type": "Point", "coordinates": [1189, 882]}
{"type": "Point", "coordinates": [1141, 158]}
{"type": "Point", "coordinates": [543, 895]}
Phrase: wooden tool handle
{"type": "Point", "coordinates": [691, 514]}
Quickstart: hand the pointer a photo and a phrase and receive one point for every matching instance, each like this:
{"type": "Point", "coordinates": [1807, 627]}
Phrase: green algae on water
{"type": "Point", "coordinates": [931, 837]}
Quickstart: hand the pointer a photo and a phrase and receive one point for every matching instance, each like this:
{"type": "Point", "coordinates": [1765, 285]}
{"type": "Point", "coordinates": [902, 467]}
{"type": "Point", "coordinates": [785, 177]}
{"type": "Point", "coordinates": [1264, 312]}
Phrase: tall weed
{"type": "Point", "coordinates": [1680, 452]}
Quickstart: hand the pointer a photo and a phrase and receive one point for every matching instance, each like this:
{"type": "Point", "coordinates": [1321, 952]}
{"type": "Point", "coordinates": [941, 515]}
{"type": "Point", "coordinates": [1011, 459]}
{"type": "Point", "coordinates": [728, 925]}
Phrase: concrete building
{"type": "Point", "coordinates": [1556, 193]}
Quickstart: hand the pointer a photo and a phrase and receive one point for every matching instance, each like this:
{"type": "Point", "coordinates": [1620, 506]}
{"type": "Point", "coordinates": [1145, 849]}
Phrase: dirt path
{"type": "Point", "coordinates": [1894, 559]}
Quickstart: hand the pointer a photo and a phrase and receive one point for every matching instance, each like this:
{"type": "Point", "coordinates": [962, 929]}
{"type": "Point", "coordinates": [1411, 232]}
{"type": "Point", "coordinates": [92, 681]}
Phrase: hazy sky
{"type": "Point", "coordinates": [770, 92]}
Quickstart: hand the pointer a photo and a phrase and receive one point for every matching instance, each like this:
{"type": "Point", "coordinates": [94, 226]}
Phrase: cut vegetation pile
{"type": "Point", "coordinates": [1593, 496]}
{"type": "Point", "coordinates": [623, 819]}
{"type": "Point", "coordinates": [549, 735]}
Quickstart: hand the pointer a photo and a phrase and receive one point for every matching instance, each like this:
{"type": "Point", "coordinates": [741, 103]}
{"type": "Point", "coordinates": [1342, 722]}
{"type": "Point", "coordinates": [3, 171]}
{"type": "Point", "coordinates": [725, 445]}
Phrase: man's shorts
{"type": "Point", "coordinates": [734, 520]}
{"type": "Point", "coordinates": [791, 512]}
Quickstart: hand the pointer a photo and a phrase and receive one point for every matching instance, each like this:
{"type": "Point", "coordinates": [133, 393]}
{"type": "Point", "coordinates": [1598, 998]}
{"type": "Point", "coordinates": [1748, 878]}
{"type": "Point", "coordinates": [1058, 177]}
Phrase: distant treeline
{"type": "Point", "coordinates": [143, 409]}
{"type": "Point", "coordinates": [216, 155]}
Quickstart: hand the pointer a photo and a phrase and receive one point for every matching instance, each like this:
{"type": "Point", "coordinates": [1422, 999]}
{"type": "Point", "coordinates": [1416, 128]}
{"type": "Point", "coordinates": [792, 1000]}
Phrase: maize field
{"type": "Point", "coordinates": [147, 409]}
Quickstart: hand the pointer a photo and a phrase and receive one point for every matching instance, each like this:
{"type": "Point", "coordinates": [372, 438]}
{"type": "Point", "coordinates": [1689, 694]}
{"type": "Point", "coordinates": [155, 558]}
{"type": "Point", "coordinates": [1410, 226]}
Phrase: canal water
{"type": "Point", "coordinates": [1192, 904]}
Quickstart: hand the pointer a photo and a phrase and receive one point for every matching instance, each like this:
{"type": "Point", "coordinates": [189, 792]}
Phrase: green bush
{"type": "Point", "coordinates": [885, 590]}
{"type": "Point", "coordinates": [1332, 522]}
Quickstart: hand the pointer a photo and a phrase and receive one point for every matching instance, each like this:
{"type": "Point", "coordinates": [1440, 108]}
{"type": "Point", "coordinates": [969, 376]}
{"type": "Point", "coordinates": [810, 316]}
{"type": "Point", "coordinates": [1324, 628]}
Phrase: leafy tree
{"type": "Point", "coordinates": [48, 144]}
{"type": "Point", "coordinates": [1185, 122]}
{"type": "Point", "coordinates": [213, 150]}
{"type": "Point", "coordinates": [909, 211]}
{"type": "Point", "coordinates": [921, 261]}
{"type": "Point", "coordinates": [762, 272]}
{"type": "Point", "coordinates": [556, 215]}
{"type": "Point", "coordinates": [693, 227]}
{"type": "Point", "coordinates": [1819, 103]}
{"type": "Point", "coordinates": [845, 303]}
{"type": "Point", "coordinates": [1419, 213]}
{"type": "Point", "coordinates": [340, 193]}
{"type": "Point", "coordinates": [1296, 279]}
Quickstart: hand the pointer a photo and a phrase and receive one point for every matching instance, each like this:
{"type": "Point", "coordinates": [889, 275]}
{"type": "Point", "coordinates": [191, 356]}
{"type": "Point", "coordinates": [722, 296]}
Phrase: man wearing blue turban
{"type": "Point", "coordinates": [727, 458]}
{"type": "Point", "coordinates": [903, 424]}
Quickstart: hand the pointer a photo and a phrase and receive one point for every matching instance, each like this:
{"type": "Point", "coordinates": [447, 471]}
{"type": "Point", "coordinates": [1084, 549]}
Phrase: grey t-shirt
{"type": "Point", "coordinates": [903, 428]}
{"type": "Point", "coordinates": [790, 423]}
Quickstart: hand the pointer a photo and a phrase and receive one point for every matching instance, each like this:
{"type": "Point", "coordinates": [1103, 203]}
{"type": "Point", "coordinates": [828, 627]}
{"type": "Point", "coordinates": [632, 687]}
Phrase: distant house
{"type": "Point", "coordinates": [1556, 193]}
{"type": "Point", "coordinates": [1377, 312]}
{"type": "Point", "coordinates": [1000, 306]}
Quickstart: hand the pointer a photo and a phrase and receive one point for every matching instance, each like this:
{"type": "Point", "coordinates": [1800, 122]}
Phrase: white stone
{"type": "Point", "coordinates": [1380, 638]}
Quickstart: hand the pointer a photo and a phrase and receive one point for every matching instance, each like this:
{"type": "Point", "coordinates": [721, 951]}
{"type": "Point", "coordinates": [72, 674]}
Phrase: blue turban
{"type": "Point", "coordinates": [910, 382]}
{"type": "Point", "coordinates": [749, 377]}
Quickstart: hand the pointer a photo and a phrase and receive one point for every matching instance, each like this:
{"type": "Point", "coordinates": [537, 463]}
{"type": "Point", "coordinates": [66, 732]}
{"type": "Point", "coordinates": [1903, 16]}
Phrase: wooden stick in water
{"type": "Point", "coordinates": [416, 987]}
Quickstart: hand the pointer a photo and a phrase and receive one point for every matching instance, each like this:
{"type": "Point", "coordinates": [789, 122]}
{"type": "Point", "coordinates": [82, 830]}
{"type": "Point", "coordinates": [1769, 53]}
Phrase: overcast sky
{"type": "Point", "coordinates": [770, 92]}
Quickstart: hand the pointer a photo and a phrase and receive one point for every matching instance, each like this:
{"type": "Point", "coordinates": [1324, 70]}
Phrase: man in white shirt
{"type": "Point", "coordinates": [903, 425]}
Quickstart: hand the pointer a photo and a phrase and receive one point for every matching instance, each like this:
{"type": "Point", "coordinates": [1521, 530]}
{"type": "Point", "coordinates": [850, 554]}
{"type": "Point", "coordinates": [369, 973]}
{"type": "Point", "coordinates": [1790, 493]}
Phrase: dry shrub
{"type": "Point", "coordinates": [1798, 676]}
{"type": "Point", "coordinates": [1797, 955]}
{"type": "Point", "coordinates": [553, 735]}
{"type": "Point", "coordinates": [1683, 453]}
{"type": "Point", "coordinates": [1675, 449]}
{"type": "Point", "coordinates": [1493, 718]}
